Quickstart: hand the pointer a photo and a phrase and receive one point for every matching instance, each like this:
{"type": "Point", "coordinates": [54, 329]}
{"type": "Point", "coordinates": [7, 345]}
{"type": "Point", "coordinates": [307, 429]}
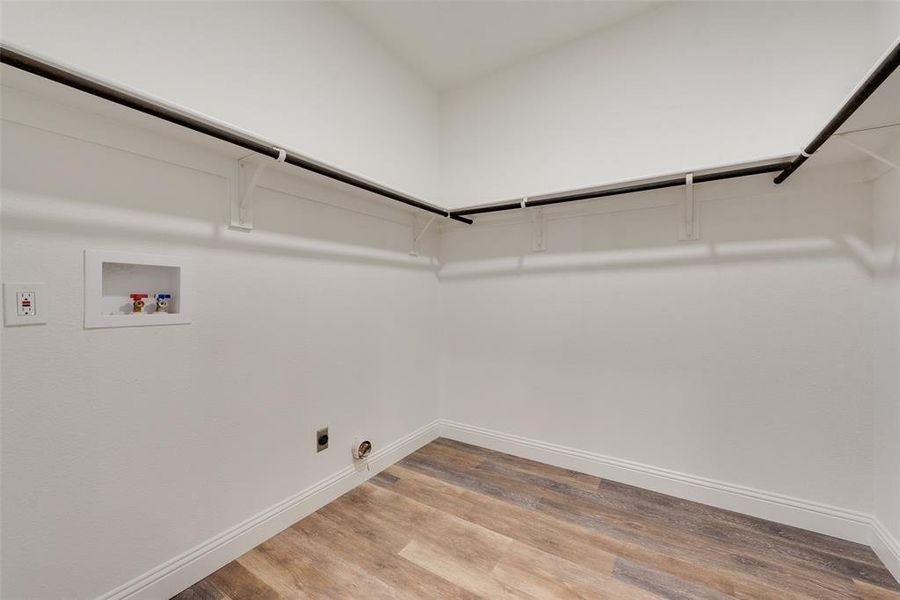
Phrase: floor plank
{"type": "Point", "coordinates": [545, 575]}
{"type": "Point", "coordinates": [237, 582]}
{"type": "Point", "coordinates": [458, 521]}
{"type": "Point", "coordinates": [668, 534]}
{"type": "Point", "coordinates": [870, 592]}
{"type": "Point", "coordinates": [663, 583]}
{"type": "Point", "coordinates": [444, 563]}
{"type": "Point", "coordinates": [203, 590]}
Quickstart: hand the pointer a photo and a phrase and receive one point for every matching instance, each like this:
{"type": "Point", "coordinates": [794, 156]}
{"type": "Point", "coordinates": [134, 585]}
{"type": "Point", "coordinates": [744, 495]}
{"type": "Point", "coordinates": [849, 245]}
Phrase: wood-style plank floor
{"type": "Point", "coordinates": [458, 521]}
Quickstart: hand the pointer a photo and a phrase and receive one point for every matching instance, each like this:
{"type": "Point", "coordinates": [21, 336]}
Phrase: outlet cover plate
{"type": "Point", "coordinates": [11, 316]}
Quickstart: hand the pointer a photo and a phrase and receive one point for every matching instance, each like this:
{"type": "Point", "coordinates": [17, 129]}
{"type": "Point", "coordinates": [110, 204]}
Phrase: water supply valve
{"type": "Point", "coordinates": [162, 302]}
{"type": "Point", "coordinates": [137, 302]}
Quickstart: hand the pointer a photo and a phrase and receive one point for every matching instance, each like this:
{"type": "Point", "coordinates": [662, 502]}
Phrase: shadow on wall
{"type": "Point", "coordinates": [216, 237]}
{"type": "Point", "coordinates": [56, 184]}
{"type": "Point", "coordinates": [59, 185]}
{"type": "Point", "coordinates": [821, 216]}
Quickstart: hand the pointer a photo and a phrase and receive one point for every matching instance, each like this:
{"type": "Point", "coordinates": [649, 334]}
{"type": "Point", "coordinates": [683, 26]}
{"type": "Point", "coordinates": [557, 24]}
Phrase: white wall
{"type": "Point", "coordinates": [743, 358]}
{"type": "Point", "coordinates": [681, 87]}
{"type": "Point", "coordinates": [617, 104]}
{"type": "Point", "coordinates": [685, 86]}
{"type": "Point", "coordinates": [298, 73]}
{"type": "Point", "coordinates": [887, 350]}
{"type": "Point", "coordinates": [123, 448]}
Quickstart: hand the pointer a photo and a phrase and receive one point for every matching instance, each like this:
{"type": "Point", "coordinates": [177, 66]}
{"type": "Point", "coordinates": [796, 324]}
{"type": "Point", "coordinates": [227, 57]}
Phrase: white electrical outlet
{"type": "Point", "coordinates": [24, 303]}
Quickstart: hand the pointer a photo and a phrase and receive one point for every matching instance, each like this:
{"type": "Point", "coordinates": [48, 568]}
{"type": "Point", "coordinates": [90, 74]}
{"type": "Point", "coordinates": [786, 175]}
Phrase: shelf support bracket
{"type": "Point", "coordinates": [690, 216]}
{"type": "Point", "coordinates": [868, 152]}
{"type": "Point", "coordinates": [417, 237]}
{"type": "Point", "coordinates": [247, 174]}
{"type": "Point", "coordinates": [538, 230]}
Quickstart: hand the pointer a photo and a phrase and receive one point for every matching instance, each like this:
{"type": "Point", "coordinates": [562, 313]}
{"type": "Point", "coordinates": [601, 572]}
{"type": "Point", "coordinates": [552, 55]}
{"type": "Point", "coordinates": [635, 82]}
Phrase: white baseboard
{"type": "Point", "coordinates": [821, 518]}
{"type": "Point", "coordinates": [182, 571]}
{"type": "Point", "coordinates": [173, 576]}
{"type": "Point", "coordinates": [887, 547]}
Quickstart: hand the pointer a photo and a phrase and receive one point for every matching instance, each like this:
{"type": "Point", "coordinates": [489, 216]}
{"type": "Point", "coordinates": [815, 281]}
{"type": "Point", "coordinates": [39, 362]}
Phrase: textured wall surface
{"type": "Point", "coordinates": [886, 193]}
{"type": "Point", "coordinates": [744, 357]}
{"type": "Point", "coordinates": [123, 448]}
{"type": "Point", "coordinates": [685, 86]}
{"type": "Point", "coordinates": [298, 73]}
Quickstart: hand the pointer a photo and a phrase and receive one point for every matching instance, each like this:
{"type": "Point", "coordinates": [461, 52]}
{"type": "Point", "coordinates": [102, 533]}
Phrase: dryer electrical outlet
{"type": "Point", "coordinates": [24, 303]}
{"type": "Point", "coordinates": [322, 439]}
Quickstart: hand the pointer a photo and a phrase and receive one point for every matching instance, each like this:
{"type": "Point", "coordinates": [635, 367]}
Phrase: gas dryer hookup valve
{"type": "Point", "coordinates": [362, 450]}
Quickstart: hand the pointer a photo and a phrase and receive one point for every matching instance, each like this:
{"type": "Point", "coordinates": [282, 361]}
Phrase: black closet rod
{"type": "Point", "coordinates": [35, 66]}
{"type": "Point", "coordinates": [875, 79]}
{"type": "Point", "coordinates": [627, 189]}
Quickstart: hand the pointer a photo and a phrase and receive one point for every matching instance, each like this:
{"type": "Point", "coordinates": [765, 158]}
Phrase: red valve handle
{"type": "Point", "coordinates": [138, 296]}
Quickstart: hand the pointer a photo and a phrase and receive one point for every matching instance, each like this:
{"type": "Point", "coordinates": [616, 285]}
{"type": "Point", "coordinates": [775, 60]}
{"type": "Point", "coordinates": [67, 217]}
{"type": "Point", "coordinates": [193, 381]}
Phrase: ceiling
{"type": "Point", "coordinates": [451, 42]}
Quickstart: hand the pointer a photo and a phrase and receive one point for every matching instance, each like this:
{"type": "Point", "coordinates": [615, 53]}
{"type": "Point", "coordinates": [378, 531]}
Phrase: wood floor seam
{"type": "Point", "coordinates": [454, 520]}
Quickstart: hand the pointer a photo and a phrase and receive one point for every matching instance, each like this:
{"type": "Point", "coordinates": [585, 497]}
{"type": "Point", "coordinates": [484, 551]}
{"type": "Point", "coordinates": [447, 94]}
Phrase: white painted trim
{"type": "Point", "coordinates": [887, 547]}
{"type": "Point", "coordinates": [814, 516]}
{"type": "Point", "coordinates": [822, 518]}
{"type": "Point", "coordinates": [182, 571]}
{"type": "Point", "coordinates": [171, 577]}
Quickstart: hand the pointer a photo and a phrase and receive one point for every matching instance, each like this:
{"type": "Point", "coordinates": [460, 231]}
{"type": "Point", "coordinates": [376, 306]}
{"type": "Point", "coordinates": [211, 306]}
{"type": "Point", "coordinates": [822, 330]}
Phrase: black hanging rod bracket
{"type": "Point", "coordinates": [67, 77]}
{"type": "Point", "coordinates": [41, 68]}
{"type": "Point", "coordinates": [625, 189]}
{"type": "Point", "coordinates": [878, 76]}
